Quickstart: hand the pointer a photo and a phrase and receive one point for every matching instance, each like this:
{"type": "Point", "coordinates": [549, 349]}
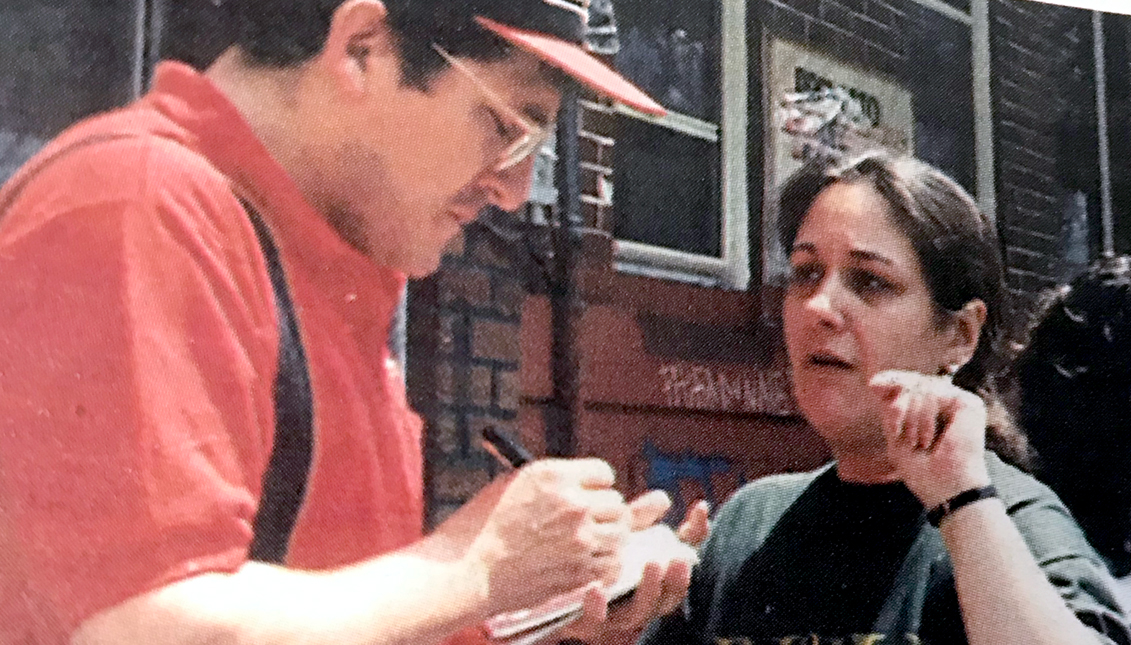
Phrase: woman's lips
{"type": "Point", "coordinates": [829, 361]}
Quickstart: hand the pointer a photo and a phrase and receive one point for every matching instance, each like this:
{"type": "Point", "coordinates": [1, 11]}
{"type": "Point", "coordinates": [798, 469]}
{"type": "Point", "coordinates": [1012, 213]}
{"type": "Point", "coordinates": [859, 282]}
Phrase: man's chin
{"type": "Point", "coordinates": [422, 267]}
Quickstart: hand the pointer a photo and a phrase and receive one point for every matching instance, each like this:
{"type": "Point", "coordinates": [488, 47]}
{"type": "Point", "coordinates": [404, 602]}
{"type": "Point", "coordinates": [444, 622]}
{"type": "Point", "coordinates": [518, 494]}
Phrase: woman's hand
{"type": "Point", "coordinates": [662, 586]}
{"type": "Point", "coordinates": [935, 433]}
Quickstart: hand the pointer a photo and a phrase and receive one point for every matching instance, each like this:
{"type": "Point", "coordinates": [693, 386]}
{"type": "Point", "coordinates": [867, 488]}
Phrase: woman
{"type": "Point", "coordinates": [895, 320]}
{"type": "Point", "coordinates": [1074, 380]}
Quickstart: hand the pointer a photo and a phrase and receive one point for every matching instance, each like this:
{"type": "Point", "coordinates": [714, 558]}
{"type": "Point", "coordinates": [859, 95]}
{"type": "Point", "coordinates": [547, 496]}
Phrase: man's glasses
{"type": "Point", "coordinates": [533, 135]}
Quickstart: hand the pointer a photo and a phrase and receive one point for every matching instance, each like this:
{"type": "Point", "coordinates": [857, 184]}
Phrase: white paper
{"type": "Point", "coordinates": [654, 544]}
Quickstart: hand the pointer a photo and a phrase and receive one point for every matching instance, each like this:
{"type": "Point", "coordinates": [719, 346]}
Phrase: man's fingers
{"type": "Point", "coordinates": [660, 592]}
{"type": "Point", "coordinates": [593, 473]}
{"type": "Point", "coordinates": [649, 508]}
{"type": "Point", "coordinates": [606, 506]}
{"type": "Point", "coordinates": [606, 539]}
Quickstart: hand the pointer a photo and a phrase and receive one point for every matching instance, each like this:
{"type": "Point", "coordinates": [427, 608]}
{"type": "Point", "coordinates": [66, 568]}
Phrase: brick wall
{"type": "Point", "coordinates": [872, 32]}
{"type": "Point", "coordinates": [1043, 93]}
{"type": "Point", "coordinates": [463, 358]}
{"type": "Point", "coordinates": [598, 125]}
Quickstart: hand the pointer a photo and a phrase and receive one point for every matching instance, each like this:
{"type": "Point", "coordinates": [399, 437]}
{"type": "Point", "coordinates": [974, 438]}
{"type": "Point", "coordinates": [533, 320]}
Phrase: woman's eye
{"type": "Point", "coordinates": [804, 274]}
{"type": "Point", "coordinates": [867, 283]}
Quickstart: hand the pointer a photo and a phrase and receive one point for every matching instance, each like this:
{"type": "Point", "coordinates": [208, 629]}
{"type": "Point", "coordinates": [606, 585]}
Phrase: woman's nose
{"type": "Point", "coordinates": [824, 302]}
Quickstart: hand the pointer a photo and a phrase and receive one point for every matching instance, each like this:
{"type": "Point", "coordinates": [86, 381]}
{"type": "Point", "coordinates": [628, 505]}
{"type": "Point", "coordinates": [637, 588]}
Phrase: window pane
{"type": "Point", "coordinates": [666, 188]}
{"type": "Point", "coordinates": [939, 75]}
{"type": "Point", "coordinates": [671, 50]}
{"type": "Point", "coordinates": [61, 61]}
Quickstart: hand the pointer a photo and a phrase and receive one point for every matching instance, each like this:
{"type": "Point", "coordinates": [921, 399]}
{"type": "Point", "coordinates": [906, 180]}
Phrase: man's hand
{"type": "Point", "coordinates": [557, 526]}
{"type": "Point", "coordinates": [662, 587]}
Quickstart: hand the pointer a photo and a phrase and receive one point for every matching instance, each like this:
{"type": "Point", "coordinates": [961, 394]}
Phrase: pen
{"type": "Point", "coordinates": [505, 448]}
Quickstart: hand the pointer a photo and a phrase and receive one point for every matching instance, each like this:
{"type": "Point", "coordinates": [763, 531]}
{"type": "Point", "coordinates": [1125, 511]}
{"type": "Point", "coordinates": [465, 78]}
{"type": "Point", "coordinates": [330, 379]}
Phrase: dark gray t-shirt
{"type": "Point", "coordinates": [808, 559]}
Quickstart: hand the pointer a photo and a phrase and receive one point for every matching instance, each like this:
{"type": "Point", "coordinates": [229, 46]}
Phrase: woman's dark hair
{"type": "Point", "coordinates": [1074, 387]}
{"type": "Point", "coordinates": [958, 251]}
{"type": "Point", "coordinates": [285, 33]}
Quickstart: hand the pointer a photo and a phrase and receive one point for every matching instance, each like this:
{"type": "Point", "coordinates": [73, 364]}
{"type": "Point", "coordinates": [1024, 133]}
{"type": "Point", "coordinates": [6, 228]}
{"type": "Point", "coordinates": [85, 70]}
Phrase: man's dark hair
{"type": "Point", "coordinates": [285, 33]}
{"type": "Point", "coordinates": [1074, 379]}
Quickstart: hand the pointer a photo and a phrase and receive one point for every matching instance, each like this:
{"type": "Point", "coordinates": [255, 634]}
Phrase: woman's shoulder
{"type": "Point", "coordinates": [1015, 486]}
{"type": "Point", "coordinates": [1042, 519]}
{"type": "Point", "coordinates": [765, 498]}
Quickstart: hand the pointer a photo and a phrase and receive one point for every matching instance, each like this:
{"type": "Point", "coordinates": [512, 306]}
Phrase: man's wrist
{"type": "Point", "coordinates": [473, 577]}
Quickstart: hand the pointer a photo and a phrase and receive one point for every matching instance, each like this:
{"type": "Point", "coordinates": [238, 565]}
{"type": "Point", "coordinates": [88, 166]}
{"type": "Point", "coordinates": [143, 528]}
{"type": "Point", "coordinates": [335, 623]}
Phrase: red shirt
{"type": "Point", "coordinates": [137, 357]}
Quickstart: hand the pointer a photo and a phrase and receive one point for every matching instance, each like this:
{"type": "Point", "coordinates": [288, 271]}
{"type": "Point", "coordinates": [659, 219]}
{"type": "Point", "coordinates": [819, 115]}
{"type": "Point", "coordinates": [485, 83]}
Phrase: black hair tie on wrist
{"type": "Point", "coordinates": [938, 513]}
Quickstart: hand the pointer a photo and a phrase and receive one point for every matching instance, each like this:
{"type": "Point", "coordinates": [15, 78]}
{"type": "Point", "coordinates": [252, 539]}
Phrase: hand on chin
{"type": "Point", "coordinates": [935, 433]}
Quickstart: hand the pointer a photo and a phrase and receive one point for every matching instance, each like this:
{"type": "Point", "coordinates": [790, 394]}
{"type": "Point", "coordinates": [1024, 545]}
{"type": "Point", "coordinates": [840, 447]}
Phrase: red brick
{"type": "Point", "coordinates": [595, 152]}
{"type": "Point", "coordinates": [591, 178]}
{"type": "Point", "coordinates": [454, 483]}
{"type": "Point", "coordinates": [495, 340]}
{"type": "Point", "coordinates": [447, 336]}
{"type": "Point", "coordinates": [509, 296]}
{"type": "Point", "coordinates": [507, 385]}
{"type": "Point", "coordinates": [479, 387]}
{"type": "Point", "coordinates": [535, 340]}
{"type": "Point", "coordinates": [445, 383]}
{"type": "Point", "coordinates": [603, 218]}
{"type": "Point", "coordinates": [444, 432]}
{"type": "Point", "coordinates": [593, 214]}
{"type": "Point", "coordinates": [487, 253]}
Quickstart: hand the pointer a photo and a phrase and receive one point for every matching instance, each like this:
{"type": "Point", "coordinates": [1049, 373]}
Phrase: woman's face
{"type": "Point", "coordinates": [857, 304]}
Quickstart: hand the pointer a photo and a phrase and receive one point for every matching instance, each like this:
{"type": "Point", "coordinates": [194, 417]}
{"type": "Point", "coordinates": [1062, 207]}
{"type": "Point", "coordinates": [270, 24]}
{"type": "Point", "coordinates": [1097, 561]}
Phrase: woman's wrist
{"type": "Point", "coordinates": [945, 509]}
{"type": "Point", "coordinates": [938, 493]}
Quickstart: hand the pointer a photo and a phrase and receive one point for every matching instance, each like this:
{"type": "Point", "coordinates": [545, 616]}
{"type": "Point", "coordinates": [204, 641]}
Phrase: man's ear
{"type": "Point", "coordinates": [358, 30]}
{"type": "Point", "coordinates": [966, 329]}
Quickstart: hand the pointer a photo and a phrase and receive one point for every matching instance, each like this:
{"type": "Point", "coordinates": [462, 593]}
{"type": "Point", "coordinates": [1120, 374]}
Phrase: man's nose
{"type": "Point", "coordinates": [509, 188]}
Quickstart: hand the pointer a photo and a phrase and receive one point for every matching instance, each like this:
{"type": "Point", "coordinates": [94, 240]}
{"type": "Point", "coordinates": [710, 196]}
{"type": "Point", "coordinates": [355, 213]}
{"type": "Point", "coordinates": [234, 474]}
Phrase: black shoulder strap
{"type": "Point", "coordinates": [284, 483]}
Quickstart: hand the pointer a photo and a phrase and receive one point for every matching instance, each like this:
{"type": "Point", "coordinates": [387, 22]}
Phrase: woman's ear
{"type": "Point", "coordinates": [358, 29]}
{"type": "Point", "coordinates": [965, 330]}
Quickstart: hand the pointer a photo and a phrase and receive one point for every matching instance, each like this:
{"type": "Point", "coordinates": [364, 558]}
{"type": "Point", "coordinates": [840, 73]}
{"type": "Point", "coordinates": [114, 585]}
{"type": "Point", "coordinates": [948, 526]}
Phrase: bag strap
{"type": "Point", "coordinates": [284, 482]}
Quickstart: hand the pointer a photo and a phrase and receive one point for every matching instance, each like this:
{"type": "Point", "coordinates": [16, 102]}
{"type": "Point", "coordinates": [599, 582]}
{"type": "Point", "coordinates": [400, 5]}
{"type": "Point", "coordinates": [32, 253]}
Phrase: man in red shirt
{"type": "Point", "coordinates": [140, 343]}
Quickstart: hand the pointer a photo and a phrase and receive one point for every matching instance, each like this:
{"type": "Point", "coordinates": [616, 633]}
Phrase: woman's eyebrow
{"type": "Point", "coordinates": [870, 256]}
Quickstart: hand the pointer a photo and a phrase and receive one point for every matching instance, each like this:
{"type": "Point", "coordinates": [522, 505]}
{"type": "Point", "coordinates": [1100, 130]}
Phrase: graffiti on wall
{"type": "Point", "coordinates": [689, 476]}
{"type": "Point", "coordinates": [700, 387]}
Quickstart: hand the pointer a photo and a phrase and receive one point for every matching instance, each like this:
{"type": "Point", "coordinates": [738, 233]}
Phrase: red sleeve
{"type": "Point", "coordinates": [137, 358]}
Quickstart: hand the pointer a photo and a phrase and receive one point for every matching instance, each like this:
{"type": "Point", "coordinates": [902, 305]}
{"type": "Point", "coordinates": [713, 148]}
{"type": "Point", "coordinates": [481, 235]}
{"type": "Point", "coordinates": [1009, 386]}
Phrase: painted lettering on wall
{"type": "Point", "coordinates": [689, 476]}
{"type": "Point", "coordinates": [699, 387]}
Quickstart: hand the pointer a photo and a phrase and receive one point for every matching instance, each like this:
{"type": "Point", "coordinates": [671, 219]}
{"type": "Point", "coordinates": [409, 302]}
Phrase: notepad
{"type": "Point", "coordinates": [525, 626]}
